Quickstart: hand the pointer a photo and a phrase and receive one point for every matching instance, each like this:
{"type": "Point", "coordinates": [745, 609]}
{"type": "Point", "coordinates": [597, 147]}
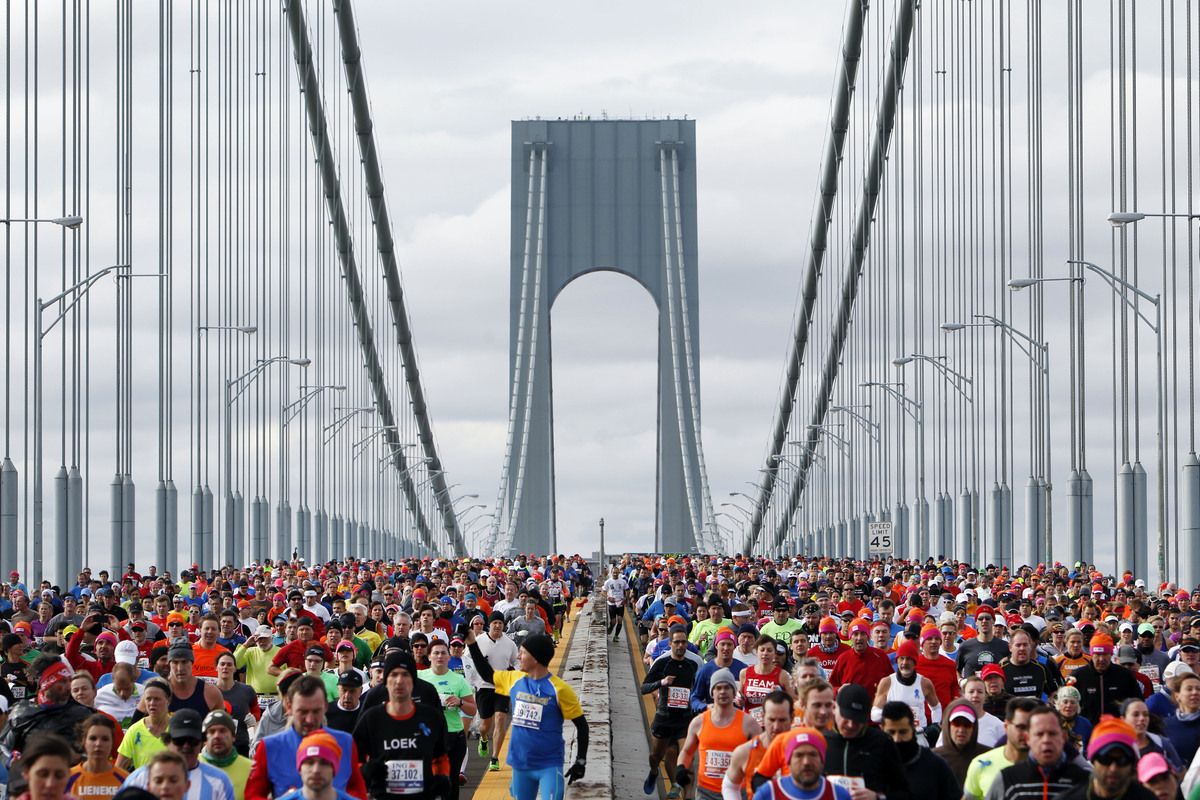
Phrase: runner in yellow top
{"type": "Point", "coordinates": [144, 737]}
{"type": "Point", "coordinates": [540, 703]}
{"type": "Point", "coordinates": [96, 776]}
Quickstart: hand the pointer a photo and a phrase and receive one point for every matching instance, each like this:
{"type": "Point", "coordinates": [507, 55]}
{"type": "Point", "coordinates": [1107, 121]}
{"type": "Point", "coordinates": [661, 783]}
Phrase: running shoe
{"type": "Point", "coordinates": [483, 747]}
{"type": "Point", "coordinates": [651, 779]}
{"type": "Point", "coordinates": [675, 793]}
{"type": "Point", "coordinates": [462, 779]}
{"type": "Point", "coordinates": [494, 765]}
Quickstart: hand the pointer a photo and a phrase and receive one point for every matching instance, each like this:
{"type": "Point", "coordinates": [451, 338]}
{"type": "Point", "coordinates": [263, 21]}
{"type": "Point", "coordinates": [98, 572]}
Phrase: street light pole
{"type": "Point", "coordinates": [1116, 283]}
{"type": "Point", "coordinates": [79, 289]}
{"type": "Point", "coordinates": [233, 546]}
{"type": "Point", "coordinates": [1038, 513]}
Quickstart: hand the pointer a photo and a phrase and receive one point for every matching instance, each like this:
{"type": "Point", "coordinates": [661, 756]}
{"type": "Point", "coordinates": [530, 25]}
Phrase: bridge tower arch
{"type": "Point", "coordinates": [615, 195]}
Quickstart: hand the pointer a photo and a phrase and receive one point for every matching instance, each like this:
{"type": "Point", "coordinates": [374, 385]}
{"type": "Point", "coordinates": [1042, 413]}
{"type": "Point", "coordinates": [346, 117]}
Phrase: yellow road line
{"type": "Point", "coordinates": [494, 785]}
{"type": "Point", "coordinates": [649, 707]}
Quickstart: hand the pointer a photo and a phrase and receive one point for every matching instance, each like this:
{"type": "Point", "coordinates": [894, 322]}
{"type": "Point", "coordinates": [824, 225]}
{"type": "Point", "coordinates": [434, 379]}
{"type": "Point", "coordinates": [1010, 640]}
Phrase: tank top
{"type": "Point", "coordinates": [753, 759]}
{"type": "Point", "coordinates": [912, 696]}
{"type": "Point", "coordinates": [777, 792]}
{"type": "Point", "coordinates": [195, 701]}
{"type": "Point", "coordinates": [716, 749]}
{"type": "Point", "coordinates": [755, 688]}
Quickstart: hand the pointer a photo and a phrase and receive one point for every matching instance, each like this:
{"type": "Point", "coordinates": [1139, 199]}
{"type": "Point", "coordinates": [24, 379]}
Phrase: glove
{"type": "Point", "coordinates": [932, 732]}
{"type": "Point", "coordinates": [683, 775]}
{"type": "Point", "coordinates": [575, 772]}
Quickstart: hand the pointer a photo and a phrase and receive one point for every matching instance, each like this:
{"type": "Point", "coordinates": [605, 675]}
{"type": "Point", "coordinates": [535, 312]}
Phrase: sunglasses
{"type": "Point", "coordinates": [1108, 759]}
{"type": "Point", "coordinates": [418, 644]}
{"type": "Point", "coordinates": [962, 723]}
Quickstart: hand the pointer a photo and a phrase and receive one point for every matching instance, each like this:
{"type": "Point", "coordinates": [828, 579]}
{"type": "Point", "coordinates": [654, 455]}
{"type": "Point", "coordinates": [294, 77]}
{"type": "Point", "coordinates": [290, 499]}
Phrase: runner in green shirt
{"type": "Point", "coordinates": [781, 627]}
{"type": "Point", "coordinates": [457, 697]}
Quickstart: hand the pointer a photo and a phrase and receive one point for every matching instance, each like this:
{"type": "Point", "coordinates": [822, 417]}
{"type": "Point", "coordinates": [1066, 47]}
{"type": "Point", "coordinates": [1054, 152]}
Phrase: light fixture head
{"type": "Point", "coordinates": [950, 327]}
{"type": "Point", "coordinates": [71, 223]}
{"type": "Point", "coordinates": [1017, 284]}
{"type": "Point", "coordinates": [248, 329]}
{"type": "Point", "coordinates": [900, 361]}
{"type": "Point", "coordinates": [1119, 219]}
{"type": "Point", "coordinates": [300, 362]}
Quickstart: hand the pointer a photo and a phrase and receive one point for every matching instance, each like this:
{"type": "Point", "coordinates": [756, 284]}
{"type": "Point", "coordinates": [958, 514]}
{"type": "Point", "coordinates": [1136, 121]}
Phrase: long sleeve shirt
{"type": "Point", "coordinates": [674, 700]}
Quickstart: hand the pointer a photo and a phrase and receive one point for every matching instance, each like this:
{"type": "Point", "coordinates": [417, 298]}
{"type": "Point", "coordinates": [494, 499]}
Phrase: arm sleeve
{"type": "Point", "coordinates": [581, 741]}
{"type": "Point", "coordinates": [258, 784]}
{"type": "Point", "coordinates": [730, 790]}
{"type": "Point", "coordinates": [356, 786]}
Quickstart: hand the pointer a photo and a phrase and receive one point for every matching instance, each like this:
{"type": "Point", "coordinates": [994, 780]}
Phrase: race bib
{"type": "Point", "coordinates": [405, 777]}
{"type": "Point", "coordinates": [18, 692]}
{"type": "Point", "coordinates": [143, 662]}
{"type": "Point", "coordinates": [716, 763]}
{"type": "Point", "coordinates": [757, 713]}
{"type": "Point", "coordinates": [678, 696]}
{"type": "Point", "coordinates": [847, 782]}
{"type": "Point", "coordinates": [527, 714]}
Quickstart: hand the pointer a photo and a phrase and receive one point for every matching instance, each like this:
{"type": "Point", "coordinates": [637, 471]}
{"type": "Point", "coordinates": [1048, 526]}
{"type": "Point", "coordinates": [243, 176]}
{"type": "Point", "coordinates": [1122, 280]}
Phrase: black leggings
{"type": "Point", "coordinates": [458, 749]}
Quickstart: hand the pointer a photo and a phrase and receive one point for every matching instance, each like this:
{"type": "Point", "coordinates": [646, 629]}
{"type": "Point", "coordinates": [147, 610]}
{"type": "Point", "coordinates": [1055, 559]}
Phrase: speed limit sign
{"type": "Point", "coordinates": [879, 539]}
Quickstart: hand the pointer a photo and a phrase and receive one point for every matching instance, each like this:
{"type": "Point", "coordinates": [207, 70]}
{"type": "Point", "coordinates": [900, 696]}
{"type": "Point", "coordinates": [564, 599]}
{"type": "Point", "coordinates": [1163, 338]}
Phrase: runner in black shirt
{"type": "Point", "coordinates": [403, 744]}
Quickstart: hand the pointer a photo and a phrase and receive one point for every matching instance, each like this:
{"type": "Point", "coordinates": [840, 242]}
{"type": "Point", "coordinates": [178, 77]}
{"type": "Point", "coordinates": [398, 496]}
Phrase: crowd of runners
{"type": "Point", "coordinates": [818, 679]}
{"type": "Point", "coordinates": [352, 679]}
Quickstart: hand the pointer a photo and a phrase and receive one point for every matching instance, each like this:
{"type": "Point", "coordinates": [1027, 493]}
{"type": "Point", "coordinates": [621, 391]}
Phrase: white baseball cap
{"type": "Point", "coordinates": [126, 653]}
{"type": "Point", "coordinates": [1175, 669]}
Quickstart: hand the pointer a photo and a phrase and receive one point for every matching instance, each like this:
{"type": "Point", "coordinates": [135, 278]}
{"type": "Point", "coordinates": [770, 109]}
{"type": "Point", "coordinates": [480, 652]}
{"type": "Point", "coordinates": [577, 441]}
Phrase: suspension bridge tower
{"type": "Point", "coordinates": [616, 195]}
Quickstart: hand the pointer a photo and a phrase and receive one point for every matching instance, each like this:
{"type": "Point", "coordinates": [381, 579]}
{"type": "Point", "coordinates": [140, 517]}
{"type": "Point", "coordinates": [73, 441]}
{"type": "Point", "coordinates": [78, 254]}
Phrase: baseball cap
{"type": "Point", "coordinates": [353, 679]}
{"type": "Point", "coordinates": [186, 723]}
{"type": "Point", "coordinates": [264, 632]}
{"type": "Point", "coordinates": [1127, 654]}
{"type": "Point", "coordinates": [1151, 766]}
{"type": "Point", "coordinates": [1175, 669]}
{"type": "Point", "coordinates": [854, 702]}
{"type": "Point", "coordinates": [963, 711]}
{"type": "Point", "coordinates": [1189, 644]}
{"type": "Point", "coordinates": [992, 670]}
{"type": "Point", "coordinates": [126, 653]}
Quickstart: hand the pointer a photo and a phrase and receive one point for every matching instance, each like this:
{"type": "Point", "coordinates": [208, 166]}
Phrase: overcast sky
{"type": "Point", "coordinates": [446, 82]}
{"type": "Point", "coordinates": [444, 88]}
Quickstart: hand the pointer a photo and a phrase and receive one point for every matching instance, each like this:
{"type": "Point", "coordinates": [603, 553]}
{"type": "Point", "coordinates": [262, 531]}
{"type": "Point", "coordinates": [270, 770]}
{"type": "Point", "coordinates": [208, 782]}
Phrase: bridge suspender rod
{"type": "Point", "coordinates": [343, 242]}
{"type": "Point", "coordinates": [352, 57]}
{"type": "Point", "coordinates": [884, 124]}
{"type": "Point", "coordinates": [852, 41]}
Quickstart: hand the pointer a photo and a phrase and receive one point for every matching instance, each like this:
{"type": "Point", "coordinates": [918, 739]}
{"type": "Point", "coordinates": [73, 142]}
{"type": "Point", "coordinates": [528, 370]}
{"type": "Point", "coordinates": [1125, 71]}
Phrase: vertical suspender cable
{"type": "Point", "coordinates": [831, 163]}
